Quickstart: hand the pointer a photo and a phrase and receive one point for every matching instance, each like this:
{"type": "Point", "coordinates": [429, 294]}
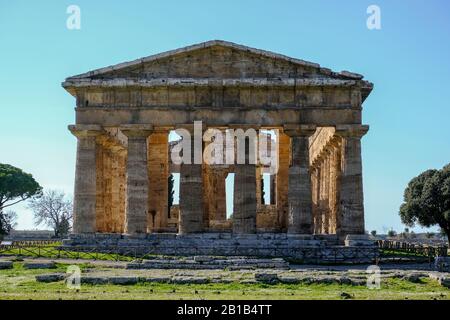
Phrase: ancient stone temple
{"type": "Point", "coordinates": [125, 113]}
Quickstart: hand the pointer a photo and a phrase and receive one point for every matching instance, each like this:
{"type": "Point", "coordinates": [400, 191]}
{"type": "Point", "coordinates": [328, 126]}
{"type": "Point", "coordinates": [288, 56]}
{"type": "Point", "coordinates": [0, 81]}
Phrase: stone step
{"type": "Point", "coordinates": [6, 265]}
{"type": "Point", "coordinates": [39, 265]}
{"type": "Point", "coordinates": [208, 262]}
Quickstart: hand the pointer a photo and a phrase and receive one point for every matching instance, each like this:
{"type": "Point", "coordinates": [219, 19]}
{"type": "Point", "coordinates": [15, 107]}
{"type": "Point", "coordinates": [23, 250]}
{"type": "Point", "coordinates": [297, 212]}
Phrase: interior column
{"type": "Point", "coordinates": [317, 221]}
{"type": "Point", "coordinates": [244, 215]}
{"type": "Point", "coordinates": [282, 181]}
{"type": "Point", "coordinates": [191, 192]}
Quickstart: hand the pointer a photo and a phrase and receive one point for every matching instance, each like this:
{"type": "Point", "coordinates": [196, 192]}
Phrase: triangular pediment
{"type": "Point", "coordinates": [215, 60]}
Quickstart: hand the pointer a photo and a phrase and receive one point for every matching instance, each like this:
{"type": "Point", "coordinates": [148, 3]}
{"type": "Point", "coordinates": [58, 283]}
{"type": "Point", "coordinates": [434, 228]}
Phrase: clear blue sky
{"type": "Point", "coordinates": [408, 60]}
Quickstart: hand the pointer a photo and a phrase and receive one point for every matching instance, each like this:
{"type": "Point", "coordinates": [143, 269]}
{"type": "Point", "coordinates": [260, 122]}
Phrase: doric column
{"type": "Point", "coordinates": [337, 184]}
{"type": "Point", "coordinates": [208, 194]}
{"type": "Point", "coordinates": [137, 178]}
{"type": "Point", "coordinates": [217, 196]}
{"type": "Point", "coordinates": [326, 187]}
{"type": "Point", "coordinates": [158, 170]}
{"type": "Point", "coordinates": [116, 170]}
{"type": "Point", "coordinates": [85, 193]}
{"type": "Point", "coordinates": [104, 190]}
{"type": "Point", "coordinates": [109, 171]}
{"type": "Point", "coordinates": [317, 221]}
{"type": "Point", "coordinates": [122, 159]}
{"type": "Point", "coordinates": [322, 191]}
{"type": "Point", "coordinates": [282, 179]}
{"type": "Point", "coordinates": [334, 180]}
{"type": "Point", "coordinates": [299, 195]}
{"type": "Point", "coordinates": [244, 215]}
{"type": "Point", "coordinates": [100, 212]}
{"type": "Point", "coordinates": [191, 191]}
{"type": "Point", "coordinates": [351, 205]}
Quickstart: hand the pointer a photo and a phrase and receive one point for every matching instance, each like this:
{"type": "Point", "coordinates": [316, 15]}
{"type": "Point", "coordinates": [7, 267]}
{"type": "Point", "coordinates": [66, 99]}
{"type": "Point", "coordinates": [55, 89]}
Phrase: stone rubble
{"type": "Point", "coordinates": [6, 265]}
{"type": "Point", "coordinates": [442, 264]}
{"type": "Point", "coordinates": [39, 265]}
{"type": "Point", "coordinates": [274, 276]}
{"type": "Point", "coordinates": [52, 277]}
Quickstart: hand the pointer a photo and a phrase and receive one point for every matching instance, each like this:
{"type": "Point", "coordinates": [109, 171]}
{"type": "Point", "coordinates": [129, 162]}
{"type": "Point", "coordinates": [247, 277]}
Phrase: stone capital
{"type": "Point", "coordinates": [298, 130]}
{"type": "Point", "coordinates": [334, 142]}
{"type": "Point", "coordinates": [244, 127]}
{"type": "Point", "coordinates": [190, 127]}
{"type": "Point", "coordinates": [351, 130]}
{"type": "Point", "coordinates": [86, 130]}
{"type": "Point", "coordinates": [162, 129]}
{"type": "Point", "coordinates": [136, 130]}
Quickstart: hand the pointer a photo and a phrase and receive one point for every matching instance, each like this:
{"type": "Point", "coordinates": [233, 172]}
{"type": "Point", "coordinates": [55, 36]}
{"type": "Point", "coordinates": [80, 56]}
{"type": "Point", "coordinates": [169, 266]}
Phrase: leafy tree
{"type": "Point", "coordinates": [373, 232]}
{"type": "Point", "coordinates": [54, 211]}
{"type": "Point", "coordinates": [15, 186]}
{"type": "Point", "coordinates": [405, 234]}
{"type": "Point", "coordinates": [427, 200]}
{"type": "Point", "coordinates": [8, 221]}
{"type": "Point", "coordinates": [392, 233]}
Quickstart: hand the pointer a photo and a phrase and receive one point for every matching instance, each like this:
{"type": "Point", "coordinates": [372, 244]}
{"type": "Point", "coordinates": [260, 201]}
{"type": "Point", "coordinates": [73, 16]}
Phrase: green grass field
{"type": "Point", "coordinates": [19, 283]}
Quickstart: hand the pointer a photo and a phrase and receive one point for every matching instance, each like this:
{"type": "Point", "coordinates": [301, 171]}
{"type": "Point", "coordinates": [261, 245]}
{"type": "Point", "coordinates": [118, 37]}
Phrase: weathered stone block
{"type": "Point", "coordinates": [123, 280]}
{"type": "Point", "coordinates": [6, 264]}
{"type": "Point", "coordinates": [39, 265]}
{"type": "Point", "coordinates": [158, 279]}
{"type": "Point", "coordinates": [442, 264]}
{"type": "Point", "coordinates": [289, 280]}
{"type": "Point", "coordinates": [53, 277]}
{"type": "Point", "coordinates": [359, 240]}
{"type": "Point", "coordinates": [189, 280]}
{"type": "Point", "coordinates": [270, 278]}
{"type": "Point", "coordinates": [94, 280]}
{"type": "Point", "coordinates": [445, 282]}
{"type": "Point", "coordinates": [202, 259]}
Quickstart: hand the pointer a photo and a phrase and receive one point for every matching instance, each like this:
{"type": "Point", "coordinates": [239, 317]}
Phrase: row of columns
{"type": "Point", "coordinates": [111, 180]}
{"type": "Point", "coordinates": [337, 187]}
{"type": "Point", "coordinates": [325, 182]}
{"type": "Point", "coordinates": [300, 218]}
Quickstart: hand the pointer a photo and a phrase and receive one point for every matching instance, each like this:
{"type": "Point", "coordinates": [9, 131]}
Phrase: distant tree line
{"type": "Point", "coordinates": [426, 200]}
{"type": "Point", "coordinates": [50, 208]}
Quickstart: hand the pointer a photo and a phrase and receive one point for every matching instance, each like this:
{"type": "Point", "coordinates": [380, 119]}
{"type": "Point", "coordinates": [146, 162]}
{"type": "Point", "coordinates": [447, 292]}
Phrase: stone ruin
{"type": "Point", "coordinates": [125, 113]}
